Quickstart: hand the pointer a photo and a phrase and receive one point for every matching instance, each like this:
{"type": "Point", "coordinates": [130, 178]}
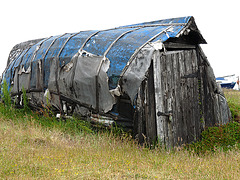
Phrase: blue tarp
{"type": "Point", "coordinates": [67, 45]}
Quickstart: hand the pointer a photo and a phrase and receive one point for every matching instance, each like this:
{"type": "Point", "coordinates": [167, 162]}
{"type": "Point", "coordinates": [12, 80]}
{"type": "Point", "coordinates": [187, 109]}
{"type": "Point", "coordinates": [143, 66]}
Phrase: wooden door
{"type": "Point", "coordinates": [176, 88]}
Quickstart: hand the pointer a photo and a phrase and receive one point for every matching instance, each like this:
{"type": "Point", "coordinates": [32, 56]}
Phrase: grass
{"type": "Point", "coordinates": [40, 147]}
{"type": "Point", "coordinates": [233, 98]}
{"type": "Point", "coordinates": [29, 151]}
{"type": "Point", "coordinates": [224, 137]}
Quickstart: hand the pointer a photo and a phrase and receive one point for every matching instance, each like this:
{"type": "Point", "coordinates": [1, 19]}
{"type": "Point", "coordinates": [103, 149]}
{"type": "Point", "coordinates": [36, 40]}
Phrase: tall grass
{"type": "Point", "coordinates": [6, 98]}
{"type": "Point", "coordinates": [29, 151]}
{"type": "Point", "coordinates": [37, 146]}
{"type": "Point", "coordinates": [233, 99]}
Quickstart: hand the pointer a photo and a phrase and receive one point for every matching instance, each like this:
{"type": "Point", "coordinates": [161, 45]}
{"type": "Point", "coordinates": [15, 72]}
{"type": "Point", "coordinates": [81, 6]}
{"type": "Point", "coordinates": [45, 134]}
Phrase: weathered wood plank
{"type": "Point", "coordinates": [173, 87]}
{"type": "Point", "coordinates": [168, 102]}
{"type": "Point", "coordinates": [176, 104]}
{"type": "Point", "coordinates": [138, 118]}
{"type": "Point", "coordinates": [183, 96]}
{"type": "Point", "coordinates": [193, 95]}
{"type": "Point", "coordinates": [196, 110]}
{"type": "Point", "coordinates": [188, 96]}
{"type": "Point", "coordinates": [164, 93]}
{"type": "Point", "coordinates": [201, 94]}
{"type": "Point", "coordinates": [150, 101]}
{"type": "Point", "coordinates": [174, 45]}
{"type": "Point", "coordinates": [158, 95]}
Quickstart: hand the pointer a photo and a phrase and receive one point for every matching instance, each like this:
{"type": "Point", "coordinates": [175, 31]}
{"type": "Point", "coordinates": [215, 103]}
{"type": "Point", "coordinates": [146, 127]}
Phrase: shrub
{"type": "Point", "coordinates": [224, 137]}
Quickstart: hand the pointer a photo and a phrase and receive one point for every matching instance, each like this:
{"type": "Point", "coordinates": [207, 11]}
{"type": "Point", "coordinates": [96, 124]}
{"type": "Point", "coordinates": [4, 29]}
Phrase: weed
{"type": "Point", "coordinates": [6, 97]}
{"type": "Point", "coordinates": [75, 126]}
{"type": "Point", "coordinates": [25, 100]}
{"type": "Point", "coordinates": [224, 137]}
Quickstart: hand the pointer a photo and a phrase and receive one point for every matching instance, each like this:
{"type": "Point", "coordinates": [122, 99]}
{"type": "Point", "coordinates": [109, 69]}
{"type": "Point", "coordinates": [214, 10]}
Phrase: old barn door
{"type": "Point", "coordinates": [176, 96]}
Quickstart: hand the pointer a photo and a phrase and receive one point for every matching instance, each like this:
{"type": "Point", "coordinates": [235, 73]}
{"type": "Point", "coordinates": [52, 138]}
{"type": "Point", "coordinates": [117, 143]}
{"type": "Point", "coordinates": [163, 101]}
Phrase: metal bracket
{"type": "Point", "coordinates": [164, 113]}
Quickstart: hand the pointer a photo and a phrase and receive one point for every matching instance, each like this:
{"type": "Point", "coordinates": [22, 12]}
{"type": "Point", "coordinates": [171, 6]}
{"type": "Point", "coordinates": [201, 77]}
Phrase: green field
{"type": "Point", "coordinates": [39, 147]}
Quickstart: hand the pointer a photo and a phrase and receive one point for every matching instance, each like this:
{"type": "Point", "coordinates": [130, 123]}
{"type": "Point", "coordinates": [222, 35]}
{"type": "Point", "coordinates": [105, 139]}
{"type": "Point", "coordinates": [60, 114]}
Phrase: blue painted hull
{"type": "Point", "coordinates": [67, 45]}
{"type": "Point", "coordinates": [228, 85]}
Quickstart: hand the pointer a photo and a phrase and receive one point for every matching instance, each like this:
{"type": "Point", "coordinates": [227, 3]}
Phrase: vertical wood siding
{"type": "Point", "coordinates": [145, 122]}
{"type": "Point", "coordinates": [178, 99]}
{"type": "Point", "coordinates": [179, 91]}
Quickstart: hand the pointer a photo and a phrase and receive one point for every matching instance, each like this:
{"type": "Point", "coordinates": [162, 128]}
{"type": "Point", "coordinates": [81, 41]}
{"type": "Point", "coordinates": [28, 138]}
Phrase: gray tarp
{"type": "Point", "coordinates": [78, 80]}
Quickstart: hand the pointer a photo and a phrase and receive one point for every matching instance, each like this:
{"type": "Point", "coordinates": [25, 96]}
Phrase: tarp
{"type": "Point", "coordinates": [68, 64]}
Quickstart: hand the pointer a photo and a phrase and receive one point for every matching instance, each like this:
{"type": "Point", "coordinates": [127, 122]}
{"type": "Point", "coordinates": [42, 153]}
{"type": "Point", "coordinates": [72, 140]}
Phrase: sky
{"type": "Point", "coordinates": [218, 21]}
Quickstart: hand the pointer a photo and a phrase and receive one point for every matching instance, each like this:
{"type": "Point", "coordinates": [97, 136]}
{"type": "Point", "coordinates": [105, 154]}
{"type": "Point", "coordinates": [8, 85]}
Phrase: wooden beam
{"type": "Point", "coordinates": [174, 45]}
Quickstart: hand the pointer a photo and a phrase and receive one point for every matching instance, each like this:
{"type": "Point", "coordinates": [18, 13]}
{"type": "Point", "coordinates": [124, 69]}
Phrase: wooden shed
{"type": "Point", "coordinates": [150, 77]}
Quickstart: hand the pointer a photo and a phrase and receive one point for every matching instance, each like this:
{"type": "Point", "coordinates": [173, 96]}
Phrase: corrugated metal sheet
{"type": "Point", "coordinates": [67, 45]}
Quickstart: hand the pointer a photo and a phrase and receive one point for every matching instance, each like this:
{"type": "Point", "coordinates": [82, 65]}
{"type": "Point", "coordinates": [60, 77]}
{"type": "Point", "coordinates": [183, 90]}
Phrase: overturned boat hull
{"type": "Point", "coordinates": [152, 78]}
